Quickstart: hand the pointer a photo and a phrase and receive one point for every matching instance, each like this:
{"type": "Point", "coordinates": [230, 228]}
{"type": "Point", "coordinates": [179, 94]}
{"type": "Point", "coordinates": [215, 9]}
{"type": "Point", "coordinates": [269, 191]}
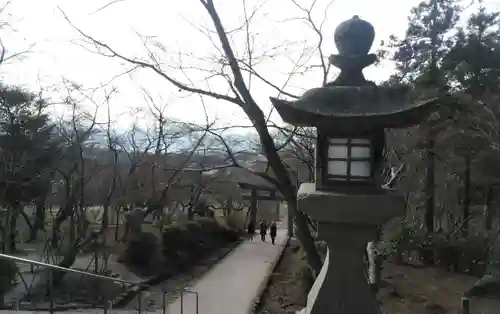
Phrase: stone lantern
{"type": "Point", "coordinates": [347, 199]}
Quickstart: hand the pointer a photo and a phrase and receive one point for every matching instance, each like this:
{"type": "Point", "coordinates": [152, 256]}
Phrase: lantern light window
{"type": "Point", "coordinates": [349, 159]}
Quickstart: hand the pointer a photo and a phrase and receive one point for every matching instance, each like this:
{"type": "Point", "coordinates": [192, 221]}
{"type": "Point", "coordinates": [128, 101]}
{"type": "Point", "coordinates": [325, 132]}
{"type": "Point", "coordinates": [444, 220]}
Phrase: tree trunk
{"type": "Point", "coordinates": [488, 210]}
{"type": "Point", "coordinates": [253, 207]}
{"type": "Point", "coordinates": [277, 214]}
{"type": "Point", "coordinates": [228, 210]}
{"type": "Point", "coordinates": [289, 216]}
{"type": "Point", "coordinates": [39, 220]}
{"type": "Point", "coordinates": [27, 220]}
{"type": "Point", "coordinates": [105, 221]}
{"type": "Point", "coordinates": [430, 183]}
{"type": "Point", "coordinates": [306, 239]}
{"type": "Point", "coordinates": [191, 205]}
{"type": "Point", "coordinates": [430, 186]}
{"type": "Point", "coordinates": [375, 261]}
{"type": "Point", "coordinates": [9, 233]}
{"type": "Point", "coordinates": [259, 121]}
{"type": "Point", "coordinates": [247, 217]}
{"type": "Point", "coordinates": [117, 222]}
{"type": "Point", "coordinates": [70, 256]}
{"type": "Point", "coordinates": [13, 230]}
{"type": "Point", "coordinates": [371, 253]}
{"type": "Point", "coordinates": [72, 229]}
{"type": "Point", "coordinates": [64, 213]}
{"type": "Point", "coordinates": [466, 198]}
{"type": "Point", "coordinates": [68, 260]}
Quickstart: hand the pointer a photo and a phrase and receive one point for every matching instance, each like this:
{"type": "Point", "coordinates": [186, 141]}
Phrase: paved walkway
{"type": "Point", "coordinates": [232, 285]}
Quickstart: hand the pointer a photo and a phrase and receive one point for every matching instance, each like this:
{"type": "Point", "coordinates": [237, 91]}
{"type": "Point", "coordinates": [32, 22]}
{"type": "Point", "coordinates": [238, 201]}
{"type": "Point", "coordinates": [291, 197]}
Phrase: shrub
{"type": "Point", "coordinates": [462, 255]}
{"type": "Point", "coordinates": [8, 273]}
{"type": "Point", "coordinates": [185, 243]}
{"type": "Point", "coordinates": [142, 253]}
{"type": "Point", "coordinates": [322, 248]}
{"type": "Point", "coordinates": [194, 234]}
{"type": "Point", "coordinates": [302, 271]}
{"type": "Point", "coordinates": [401, 240]}
{"type": "Point", "coordinates": [173, 238]}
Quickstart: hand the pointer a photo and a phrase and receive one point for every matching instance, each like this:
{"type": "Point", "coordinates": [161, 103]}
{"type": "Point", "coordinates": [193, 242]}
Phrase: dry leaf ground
{"type": "Point", "coordinates": [407, 290]}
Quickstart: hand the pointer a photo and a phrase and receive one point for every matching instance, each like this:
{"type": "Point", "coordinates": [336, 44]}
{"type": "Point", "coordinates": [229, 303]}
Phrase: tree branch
{"type": "Point", "coordinates": [112, 53]}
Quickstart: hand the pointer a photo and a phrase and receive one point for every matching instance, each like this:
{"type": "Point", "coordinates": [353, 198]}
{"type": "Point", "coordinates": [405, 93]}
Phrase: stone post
{"type": "Point", "coordinates": [347, 222]}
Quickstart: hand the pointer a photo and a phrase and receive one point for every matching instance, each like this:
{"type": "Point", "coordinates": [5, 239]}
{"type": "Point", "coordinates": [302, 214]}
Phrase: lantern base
{"type": "Point", "coordinates": [346, 222]}
{"type": "Point", "coordinates": [342, 286]}
{"type": "Point", "coordinates": [351, 208]}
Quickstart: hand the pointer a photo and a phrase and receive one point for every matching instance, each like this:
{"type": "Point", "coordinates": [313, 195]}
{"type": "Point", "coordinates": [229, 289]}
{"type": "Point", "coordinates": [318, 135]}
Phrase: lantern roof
{"type": "Point", "coordinates": [350, 109]}
{"type": "Point", "coordinates": [351, 103]}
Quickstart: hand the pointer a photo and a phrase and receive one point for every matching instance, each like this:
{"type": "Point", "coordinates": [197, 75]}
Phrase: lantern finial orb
{"type": "Point", "coordinates": [353, 39]}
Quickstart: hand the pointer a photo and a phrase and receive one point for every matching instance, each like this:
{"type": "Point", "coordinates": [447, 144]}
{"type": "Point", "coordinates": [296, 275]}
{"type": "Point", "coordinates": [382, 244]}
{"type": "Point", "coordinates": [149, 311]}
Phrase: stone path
{"type": "Point", "coordinates": [233, 284]}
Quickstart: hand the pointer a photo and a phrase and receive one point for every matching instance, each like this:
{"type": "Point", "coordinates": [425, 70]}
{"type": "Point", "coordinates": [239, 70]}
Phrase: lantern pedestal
{"type": "Point", "coordinates": [347, 222]}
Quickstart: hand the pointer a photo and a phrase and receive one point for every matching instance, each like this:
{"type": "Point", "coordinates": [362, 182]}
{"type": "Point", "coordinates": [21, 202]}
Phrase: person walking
{"type": "Point", "coordinates": [251, 230]}
{"type": "Point", "coordinates": [273, 231]}
{"type": "Point", "coordinates": [263, 231]}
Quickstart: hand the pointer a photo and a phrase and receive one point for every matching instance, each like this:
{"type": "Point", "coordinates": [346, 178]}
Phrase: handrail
{"type": "Point", "coordinates": [69, 270]}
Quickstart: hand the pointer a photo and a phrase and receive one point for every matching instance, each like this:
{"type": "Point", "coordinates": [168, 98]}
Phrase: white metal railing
{"type": "Point", "coordinates": [107, 303]}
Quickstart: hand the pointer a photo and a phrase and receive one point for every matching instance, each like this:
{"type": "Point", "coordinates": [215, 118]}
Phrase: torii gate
{"type": "Point", "coordinates": [263, 193]}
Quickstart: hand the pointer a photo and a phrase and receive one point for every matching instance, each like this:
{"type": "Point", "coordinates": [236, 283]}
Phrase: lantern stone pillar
{"type": "Point", "coordinates": [346, 222]}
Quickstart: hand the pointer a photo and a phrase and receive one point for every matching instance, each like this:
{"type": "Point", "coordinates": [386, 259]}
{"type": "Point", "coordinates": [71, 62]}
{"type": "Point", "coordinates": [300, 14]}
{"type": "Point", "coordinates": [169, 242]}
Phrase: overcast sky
{"type": "Point", "coordinates": [173, 29]}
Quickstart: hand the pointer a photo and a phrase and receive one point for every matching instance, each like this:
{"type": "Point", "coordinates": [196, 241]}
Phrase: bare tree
{"type": "Point", "coordinates": [237, 72]}
{"type": "Point", "coordinates": [297, 150]}
{"type": "Point", "coordinates": [78, 167]}
{"type": "Point", "coordinates": [6, 56]}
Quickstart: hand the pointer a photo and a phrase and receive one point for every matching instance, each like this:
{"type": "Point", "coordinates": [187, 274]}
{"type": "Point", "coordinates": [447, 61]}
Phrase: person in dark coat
{"type": "Point", "coordinates": [251, 230]}
{"type": "Point", "coordinates": [263, 231]}
{"type": "Point", "coordinates": [273, 230]}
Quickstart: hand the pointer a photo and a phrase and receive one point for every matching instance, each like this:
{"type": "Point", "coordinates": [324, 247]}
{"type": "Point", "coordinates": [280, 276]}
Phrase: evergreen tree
{"type": "Point", "coordinates": [27, 152]}
{"type": "Point", "coordinates": [426, 41]}
{"type": "Point", "coordinates": [418, 58]}
{"type": "Point", "coordinates": [459, 65]}
{"type": "Point", "coordinates": [473, 70]}
{"type": "Point", "coordinates": [473, 63]}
